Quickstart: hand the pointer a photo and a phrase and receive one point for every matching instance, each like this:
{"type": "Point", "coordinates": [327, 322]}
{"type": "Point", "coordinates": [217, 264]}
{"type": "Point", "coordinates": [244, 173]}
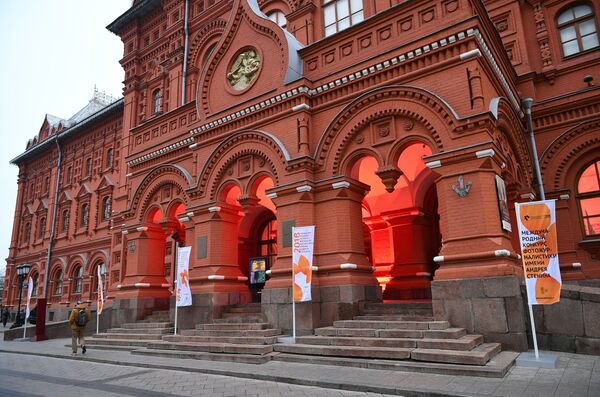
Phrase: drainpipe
{"type": "Point", "coordinates": [527, 103]}
{"type": "Point", "coordinates": [185, 52]}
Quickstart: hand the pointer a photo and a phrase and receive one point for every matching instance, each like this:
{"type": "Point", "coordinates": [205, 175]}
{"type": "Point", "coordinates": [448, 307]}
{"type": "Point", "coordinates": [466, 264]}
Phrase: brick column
{"type": "Point", "coordinates": [477, 284]}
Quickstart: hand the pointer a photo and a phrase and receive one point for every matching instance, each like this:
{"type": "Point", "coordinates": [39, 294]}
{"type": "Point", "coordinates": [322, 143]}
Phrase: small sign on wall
{"type": "Point", "coordinates": [503, 204]}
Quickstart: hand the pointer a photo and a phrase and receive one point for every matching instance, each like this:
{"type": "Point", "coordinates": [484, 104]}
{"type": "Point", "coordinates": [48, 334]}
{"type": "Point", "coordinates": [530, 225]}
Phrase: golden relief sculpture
{"type": "Point", "coordinates": [244, 69]}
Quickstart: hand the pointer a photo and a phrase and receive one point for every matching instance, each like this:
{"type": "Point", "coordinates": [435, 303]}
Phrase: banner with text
{"type": "Point", "coordinates": [183, 294]}
{"type": "Point", "coordinates": [100, 292]}
{"type": "Point", "coordinates": [29, 292]}
{"type": "Point", "coordinates": [302, 257]}
{"type": "Point", "coordinates": [537, 235]}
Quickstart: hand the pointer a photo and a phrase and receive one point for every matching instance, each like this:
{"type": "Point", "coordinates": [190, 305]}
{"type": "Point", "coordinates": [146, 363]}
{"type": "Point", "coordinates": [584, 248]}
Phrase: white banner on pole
{"type": "Point", "coordinates": [100, 292]}
{"type": "Point", "coordinates": [183, 293]}
{"type": "Point", "coordinates": [302, 257]}
{"type": "Point", "coordinates": [537, 235]}
{"type": "Point", "coordinates": [29, 292]}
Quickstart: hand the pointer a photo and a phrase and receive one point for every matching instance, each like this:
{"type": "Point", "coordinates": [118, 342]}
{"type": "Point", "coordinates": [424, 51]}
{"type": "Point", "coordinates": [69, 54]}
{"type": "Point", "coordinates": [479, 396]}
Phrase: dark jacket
{"type": "Point", "coordinates": [73, 316]}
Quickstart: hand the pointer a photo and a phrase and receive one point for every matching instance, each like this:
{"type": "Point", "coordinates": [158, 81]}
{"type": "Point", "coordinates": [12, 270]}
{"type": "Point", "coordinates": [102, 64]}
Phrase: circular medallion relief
{"type": "Point", "coordinates": [244, 69]}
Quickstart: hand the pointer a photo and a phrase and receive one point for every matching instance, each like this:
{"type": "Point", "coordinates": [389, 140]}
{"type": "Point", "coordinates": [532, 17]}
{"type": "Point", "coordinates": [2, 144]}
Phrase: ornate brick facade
{"type": "Point", "coordinates": [387, 135]}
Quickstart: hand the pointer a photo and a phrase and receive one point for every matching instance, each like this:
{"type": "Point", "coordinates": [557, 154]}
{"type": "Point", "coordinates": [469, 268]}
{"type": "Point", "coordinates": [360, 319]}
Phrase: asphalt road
{"type": "Point", "coordinates": [29, 376]}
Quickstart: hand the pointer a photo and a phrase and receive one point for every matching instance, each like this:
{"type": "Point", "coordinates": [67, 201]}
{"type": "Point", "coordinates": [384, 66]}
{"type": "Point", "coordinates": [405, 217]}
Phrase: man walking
{"type": "Point", "coordinates": [78, 319]}
{"type": "Point", "coordinates": [5, 316]}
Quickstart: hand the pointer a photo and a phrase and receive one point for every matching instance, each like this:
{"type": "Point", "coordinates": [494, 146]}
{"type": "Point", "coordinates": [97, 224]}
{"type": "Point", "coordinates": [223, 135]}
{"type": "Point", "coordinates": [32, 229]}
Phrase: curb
{"type": "Point", "coordinates": [271, 378]}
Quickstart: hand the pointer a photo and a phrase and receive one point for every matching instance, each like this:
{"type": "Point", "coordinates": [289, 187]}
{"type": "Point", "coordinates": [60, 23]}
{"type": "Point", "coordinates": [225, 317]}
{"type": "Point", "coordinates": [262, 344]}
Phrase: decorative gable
{"type": "Point", "coordinates": [255, 56]}
{"type": "Point", "coordinates": [105, 184]}
{"type": "Point", "coordinates": [65, 197]}
{"type": "Point", "coordinates": [42, 206]}
{"type": "Point", "coordinates": [84, 191]}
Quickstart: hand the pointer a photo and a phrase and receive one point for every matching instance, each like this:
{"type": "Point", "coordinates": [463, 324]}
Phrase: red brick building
{"type": "Point", "coordinates": [384, 124]}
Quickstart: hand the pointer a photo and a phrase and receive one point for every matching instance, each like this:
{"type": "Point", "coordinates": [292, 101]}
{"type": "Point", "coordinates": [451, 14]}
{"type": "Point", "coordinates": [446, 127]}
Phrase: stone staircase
{"type": "Point", "coordinates": [132, 336]}
{"type": "Point", "coordinates": [240, 335]}
{"type": "Point", "coordinates": [399, 336]}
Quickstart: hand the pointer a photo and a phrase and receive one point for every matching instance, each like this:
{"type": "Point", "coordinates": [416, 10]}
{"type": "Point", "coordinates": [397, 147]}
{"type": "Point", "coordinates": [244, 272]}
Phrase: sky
{"type": "Point", "coordinates": [52, 54]}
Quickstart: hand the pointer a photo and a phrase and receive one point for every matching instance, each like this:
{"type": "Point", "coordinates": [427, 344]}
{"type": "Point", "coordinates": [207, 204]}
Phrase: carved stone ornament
{"type": "Point", "coordinates": [244, 69]}
{"type": "Point", "coordinates": [131, 247]}
{"type": "Point", "coordinates": [462, 190]}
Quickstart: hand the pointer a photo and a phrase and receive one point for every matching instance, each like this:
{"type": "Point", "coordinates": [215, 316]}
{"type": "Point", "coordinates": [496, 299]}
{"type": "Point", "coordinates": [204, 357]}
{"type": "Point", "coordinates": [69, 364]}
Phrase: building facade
{"type": "Point", "coordinates": [396, 128]}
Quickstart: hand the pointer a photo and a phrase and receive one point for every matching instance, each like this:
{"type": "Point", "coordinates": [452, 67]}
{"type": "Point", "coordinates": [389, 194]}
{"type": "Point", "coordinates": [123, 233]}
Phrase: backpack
{"type": "Point", "coordinates": [81, 318]}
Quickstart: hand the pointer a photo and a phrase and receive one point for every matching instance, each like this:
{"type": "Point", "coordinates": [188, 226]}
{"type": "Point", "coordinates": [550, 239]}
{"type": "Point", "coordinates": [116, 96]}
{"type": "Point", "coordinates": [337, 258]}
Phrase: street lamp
{"type": "Point", "coordinates": [22, 272]}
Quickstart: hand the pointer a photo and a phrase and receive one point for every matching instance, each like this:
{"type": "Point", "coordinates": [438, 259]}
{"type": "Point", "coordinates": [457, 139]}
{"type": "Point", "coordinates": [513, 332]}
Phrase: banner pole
{"type": "Point", "coordinates": [293, 315]}
{"type": "Point", "coordinates": [25, 329]}
{"type": "Point", "coordinates": [97, 320]}
{"type": "Point", "coordinates": [533, 332]}
{"type": "Point", "coordinates": [175, 283]}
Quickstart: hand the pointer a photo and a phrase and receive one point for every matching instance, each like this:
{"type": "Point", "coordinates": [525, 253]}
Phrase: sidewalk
{"type": "Point", "coordinates": [577, 375]}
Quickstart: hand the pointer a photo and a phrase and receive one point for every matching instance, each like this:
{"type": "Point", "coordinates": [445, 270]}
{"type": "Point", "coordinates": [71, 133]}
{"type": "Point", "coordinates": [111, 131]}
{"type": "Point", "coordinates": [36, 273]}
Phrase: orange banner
{"type": "Point", "coordinates": [537, 234]}
{"type": "Point", "coordinates": [302, 256]}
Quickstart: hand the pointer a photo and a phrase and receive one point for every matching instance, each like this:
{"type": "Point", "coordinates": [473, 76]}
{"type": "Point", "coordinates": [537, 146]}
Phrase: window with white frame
{"type": "Point", "coordinates": [341, 14]}
{"type": "Point", "coordinates": [156, 102]}
{"type": "Point", "coordinates": [577, 28]}
{"type": "Point", "coordinates": [278, 17]}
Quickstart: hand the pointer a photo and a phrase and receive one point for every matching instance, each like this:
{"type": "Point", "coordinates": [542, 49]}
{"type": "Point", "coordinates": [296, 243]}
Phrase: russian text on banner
{"type": "Point", "coordinates": [100, 292]}
{"type": "Point", "coordinates": [183, 295]}
{"type": "Point", "coordinates": [29, 292]}
{"type": "Point", "coordinates": [537, 235]}
{"type": "Point", "coordinates": [302, 257]}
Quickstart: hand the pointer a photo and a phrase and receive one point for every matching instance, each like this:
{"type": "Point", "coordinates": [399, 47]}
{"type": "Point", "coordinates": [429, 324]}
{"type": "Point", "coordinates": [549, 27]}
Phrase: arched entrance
{"type": "Point", "coordinates": [402, 226]}
{"type": "Point", "coordinates": [257, 232]}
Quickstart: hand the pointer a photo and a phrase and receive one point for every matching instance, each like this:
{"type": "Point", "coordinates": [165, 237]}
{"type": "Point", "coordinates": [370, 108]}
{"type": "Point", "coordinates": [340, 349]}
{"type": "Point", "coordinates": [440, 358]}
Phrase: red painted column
{"type": "Point", "coordinates": [412, 270]}
{"type": "Point", "coordinates": [216, 269]}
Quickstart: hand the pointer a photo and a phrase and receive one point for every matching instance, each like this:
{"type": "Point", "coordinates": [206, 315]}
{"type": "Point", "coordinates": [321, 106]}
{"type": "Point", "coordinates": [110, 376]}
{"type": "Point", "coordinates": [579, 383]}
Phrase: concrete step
{"type": "Point", "coordinates": [398, 308]}
{"type": "Point", "coordinates": [117, 342]}
{"type": "Point", "coordinates": [478, 356]}
{"type": "Point", "coordinates": [449, 333]}
{"type": "Point", "coordinates": [394, 317]}
{"type": "Point", "coordinates": [108, 347]}
{"type": "Point", "coordinates": [413, 325]}
{"type": "Point", "coordinates": [248, 308]}
{"type": "Point", "coordinates": [497, 367]}
{"type": "Point", "coordinates": [221, 339]}
{"type": "Point", "coordinates": [147, 325]}
{"type": "Point", "coordinates": [352, 341]}
{"type": "Point", "coordinates": [236, 318]}
{"type": "Point", "coordinates": [128, 336]}
{"type": "Point", "coordinates": [148, 331]}
{"type": "Point", "coordinates": [229, 348]}
{"type": "Point", "coordinates": [233, 333]}
{"type": "Point", "coordinates": [238, 358]}
{"type": "Point", "coordinates": [465, 343]}
{"type": "Point", "coordinates": [153, 319]}
{"type": "Point", "coordinates": [344, 351]}
{"type": "Point", "coordinates": [232, 326]}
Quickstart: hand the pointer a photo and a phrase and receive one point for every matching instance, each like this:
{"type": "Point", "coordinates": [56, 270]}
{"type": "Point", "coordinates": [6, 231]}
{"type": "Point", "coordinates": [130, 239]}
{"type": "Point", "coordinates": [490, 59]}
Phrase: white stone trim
{"type": "Point", "coordinates": [125, 231]}
{"type": "Point", "coordinates": [314, 268]}
{"type": "Point", "coordinates": [340, 185]}
{"type": "Point", "coordinates": [303, 188]}
{"type": "Point", "coordinates": [438, 259]}
{"type": "Point", "coordinates": [470, 54]}
{"type": "Point", "coordinates": [529, 196]}
{"type": "Point", "coordinates": [576, 265]}
{"type": "Point", "coordinates": [564, 197]}
{"type": "Point", "coordinates": [216, 277]}
{"type": "Point", "coordinates": [426, 274]}
{"type": "Point", "coordinates": [502, 253]}
{"type": "Point", "coordinates": [214, 209]}
{"type": "Point", "coordinates": [302, 106]}
{"type": "Point", "coordinates": [142, 285]}
{"type": "Point", "coordinates": [184, 219]}
{"type": "Point", "coordinates": [242, 278]}
{"type": "Point", "coordinates": [142, 228]}
{"type": "Point", "coordinates": [193, 146]}
{"type": "Point", "coordinates": [348, 266]}
{"type": "Point", "coordinates": [272, 196]}
{"type": "Point", "coordinates": [434, 164]}
{"type": "Point", "coordinates": [485, 153]}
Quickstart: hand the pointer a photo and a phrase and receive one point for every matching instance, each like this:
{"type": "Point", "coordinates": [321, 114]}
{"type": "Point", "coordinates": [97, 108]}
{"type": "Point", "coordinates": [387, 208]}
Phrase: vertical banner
{"type": "Point", "coordinates": [29, 292]}
{"type": "Point", "coordinates": [183, 294]}
{"type": "Point", "coordinates": [537, 235]}
{"type": "Point", "coordinates": [302, 257]}
{"type": "Point", "coordinates": [503, 204]}
{"type": "Point", "coordinates": [100, 292]}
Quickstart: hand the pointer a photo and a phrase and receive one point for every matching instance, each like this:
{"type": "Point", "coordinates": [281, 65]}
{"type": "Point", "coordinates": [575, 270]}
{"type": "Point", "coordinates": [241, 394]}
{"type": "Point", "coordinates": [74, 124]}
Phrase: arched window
{"type": "Point", "coordinates": [588, 195]}
{"type": "Point", "coordinates": [577, 28]}
{"type": "Point", "coordinates": [42, 228]}
{"type": "Point", "coordinates": [109, 158]}
{"type": "Point", "coordinates": [85, 215]}
{"type": "Point", "coordinates": [35, 285]}
{"type": "Point", "coordinates": [267, 241]}
{"type": "Point", "coordinates": [69, 175]}
{"type": "Point", "coordinates": [88, 167]}
{"type": "Point", "coordinates": [106, 208]}
{"type": "Point", "coordinates": [64, 221]}
{"type": "Point", "coordinates": [78, 279]}
{"type": "Point", "coordinates": [278, 17]}
{"type": "Point", "coordinates": [156, 102]}
{"type": "Point", "coordinates": [58, 282]}
{"type": "Point", "coordinates": [27, 232]}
